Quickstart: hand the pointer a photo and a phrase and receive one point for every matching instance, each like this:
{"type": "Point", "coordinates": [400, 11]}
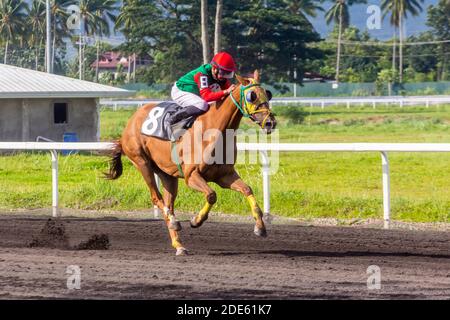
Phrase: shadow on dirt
{"type": "Point", "coordinates": [299, 253]}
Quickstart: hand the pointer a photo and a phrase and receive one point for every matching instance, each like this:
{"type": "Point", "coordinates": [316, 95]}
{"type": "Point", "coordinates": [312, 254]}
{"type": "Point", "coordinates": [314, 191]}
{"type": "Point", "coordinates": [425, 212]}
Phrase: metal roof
{"type": "Point", "coordinates": [26, 83]}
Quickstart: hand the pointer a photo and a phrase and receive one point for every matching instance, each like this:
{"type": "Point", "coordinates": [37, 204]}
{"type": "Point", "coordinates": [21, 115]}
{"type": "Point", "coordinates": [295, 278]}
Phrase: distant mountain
{"type": "Point", "coordinates": [358, 18]}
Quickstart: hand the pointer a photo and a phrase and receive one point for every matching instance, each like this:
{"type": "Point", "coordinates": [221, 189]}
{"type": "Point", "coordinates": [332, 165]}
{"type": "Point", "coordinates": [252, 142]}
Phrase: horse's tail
{"type": "Point", "coordinates": [115, 166]}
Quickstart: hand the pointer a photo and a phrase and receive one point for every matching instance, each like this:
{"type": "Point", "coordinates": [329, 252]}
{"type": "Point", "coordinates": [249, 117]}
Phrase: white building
{"type": "Point", "coordinates": [34, 103]}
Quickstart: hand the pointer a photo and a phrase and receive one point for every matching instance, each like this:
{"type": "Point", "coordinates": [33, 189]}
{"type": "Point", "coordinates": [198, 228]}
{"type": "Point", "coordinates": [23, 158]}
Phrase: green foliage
{"type": "Point", "coordinates": [427, 91]}
{"type": "Point", "coordinates": [275, 36]}
{"type": "Point", "coordinates": [248, 29]}
{"type": "Point", "coordinates": [173, 37]}
{"type": "Point", "coordinates": [170, 33]}
{"type": "Point", "coordinates": [386, 79]}
{"type": "Point", "coordinates": [295, 115]}
{"type": "Point", "coordinates": [359, 63]}
{"type": "Point", "coordinates": [439, 21]}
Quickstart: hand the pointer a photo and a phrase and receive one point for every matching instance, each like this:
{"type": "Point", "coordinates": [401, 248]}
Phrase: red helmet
{"type": "Point", "coordinates": [224, 61]}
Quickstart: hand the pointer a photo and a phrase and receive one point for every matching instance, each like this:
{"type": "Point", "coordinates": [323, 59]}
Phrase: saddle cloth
{"type": "Point", "coordinates": [157, 122]}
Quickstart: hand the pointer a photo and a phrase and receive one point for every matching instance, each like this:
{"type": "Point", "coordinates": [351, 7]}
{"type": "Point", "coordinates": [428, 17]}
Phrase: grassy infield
{"type": "Point", "coordinates": [307, 185]}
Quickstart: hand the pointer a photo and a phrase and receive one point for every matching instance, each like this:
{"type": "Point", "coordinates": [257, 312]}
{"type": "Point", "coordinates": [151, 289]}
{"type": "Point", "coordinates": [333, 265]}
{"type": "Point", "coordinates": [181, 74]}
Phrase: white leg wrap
{"type": "Point", "coordinates": [169, 215]}
{"type": "Point", "coordinates": [166, 211]}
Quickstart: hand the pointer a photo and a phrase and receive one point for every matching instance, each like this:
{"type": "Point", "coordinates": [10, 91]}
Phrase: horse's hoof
{"type": "Point", "coordinates": [260, 232]}
{"type": "Point", "coordinates": [181, 252]}
{"type": "Point", "coordinates": [194, 224]}
{"type": "Point", "coordinates": [175, 225]}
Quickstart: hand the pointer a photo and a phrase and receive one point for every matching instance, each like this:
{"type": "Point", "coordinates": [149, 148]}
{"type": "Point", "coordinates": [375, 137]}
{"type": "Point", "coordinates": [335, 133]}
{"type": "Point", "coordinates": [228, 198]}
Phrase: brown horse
{"type": "Point", "coordinates": [171, 161]}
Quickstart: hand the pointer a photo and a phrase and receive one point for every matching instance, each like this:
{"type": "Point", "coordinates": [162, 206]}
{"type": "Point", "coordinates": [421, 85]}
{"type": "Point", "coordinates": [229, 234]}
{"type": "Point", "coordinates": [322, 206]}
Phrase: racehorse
{"type": "Point", "coordinates": [151, 155]}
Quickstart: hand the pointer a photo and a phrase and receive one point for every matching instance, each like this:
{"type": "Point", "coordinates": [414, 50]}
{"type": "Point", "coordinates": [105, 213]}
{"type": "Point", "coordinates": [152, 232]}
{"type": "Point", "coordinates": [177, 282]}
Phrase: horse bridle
{"type": "Point", "coordinates": [244, 108]}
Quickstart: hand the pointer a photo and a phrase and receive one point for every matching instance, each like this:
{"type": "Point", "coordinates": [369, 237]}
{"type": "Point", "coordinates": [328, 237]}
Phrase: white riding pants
{"type": "Point", "coordinates": [186, 99]}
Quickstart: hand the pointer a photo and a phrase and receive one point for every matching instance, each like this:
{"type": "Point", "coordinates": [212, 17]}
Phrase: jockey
{"type": "Point", "coordinates": [208, 83]}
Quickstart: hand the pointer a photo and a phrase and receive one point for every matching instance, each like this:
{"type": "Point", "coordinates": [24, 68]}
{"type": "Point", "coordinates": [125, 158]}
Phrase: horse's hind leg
{"type": "Point", "coordinates": [234, 182]}
{"type": "Point", "coordinates": [148, 175]}
{"type": "Point", "coordinates": [149, 178]}
{"type": "Point", "coordinates": [197, 182]}
{"type": "Point", "coordinates": [170, 185]}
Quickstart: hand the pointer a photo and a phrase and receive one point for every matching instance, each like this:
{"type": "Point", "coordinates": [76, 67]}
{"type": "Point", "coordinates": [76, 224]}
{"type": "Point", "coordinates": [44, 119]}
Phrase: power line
{"type": "Point", "coordinates": [407, 55]}
{"type": "Point", "coordinates": [374, 43]}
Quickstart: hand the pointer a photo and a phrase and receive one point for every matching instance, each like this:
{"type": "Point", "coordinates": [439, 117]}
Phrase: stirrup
{"type": "Point", "coordinates": [174, 129]}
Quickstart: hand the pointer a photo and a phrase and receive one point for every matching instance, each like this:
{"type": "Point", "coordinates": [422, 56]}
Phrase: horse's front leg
{"type": "Point", "coordinates": [234, 182]}
{"type": "Point", "coordinates": [196, 182]}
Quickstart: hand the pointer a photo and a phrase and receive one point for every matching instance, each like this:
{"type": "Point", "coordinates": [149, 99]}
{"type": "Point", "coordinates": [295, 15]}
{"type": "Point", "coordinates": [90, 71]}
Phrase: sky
{"type": "Point", "coordinates": [359, 16]}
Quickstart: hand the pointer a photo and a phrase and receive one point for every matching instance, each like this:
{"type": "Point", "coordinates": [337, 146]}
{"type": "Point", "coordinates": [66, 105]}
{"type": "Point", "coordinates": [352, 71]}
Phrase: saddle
{"type": "Point", "coordinates": [157, 122]}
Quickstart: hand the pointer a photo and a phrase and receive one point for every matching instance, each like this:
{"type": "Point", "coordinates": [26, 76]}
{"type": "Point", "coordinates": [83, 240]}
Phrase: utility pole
{"type": "Point", "coordinates": [80, 57]}
{"type": "Point", "coordinates": [295, 76]}
{"type": "Point", "coordinates": [48, 51]}
{"type": "Point", "coordinates": [81, 50]}
{"type": "Point", "coordinates": [338, 58]}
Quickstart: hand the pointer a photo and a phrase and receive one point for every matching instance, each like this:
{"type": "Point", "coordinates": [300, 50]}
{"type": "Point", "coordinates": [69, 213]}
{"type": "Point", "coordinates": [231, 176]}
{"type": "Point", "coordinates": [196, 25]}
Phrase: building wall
{"type": "Point", "coordinates": [10, 120]}
{"type": "Point", "coordinates": [25, 119]}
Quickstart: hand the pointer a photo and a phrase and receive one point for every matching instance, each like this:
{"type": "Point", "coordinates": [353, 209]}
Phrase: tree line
{"type": "Point", "coordinates": [275, 36]}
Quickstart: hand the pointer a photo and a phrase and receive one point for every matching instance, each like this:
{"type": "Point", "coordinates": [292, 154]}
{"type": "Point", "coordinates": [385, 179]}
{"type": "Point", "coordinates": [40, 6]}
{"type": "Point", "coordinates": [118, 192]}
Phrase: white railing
{"type": "Point", "coordinates": [373, 101]}
{"type": "Point", "coordinates": [53, 147]}
{"type": "Point", "coordinates": [263, 148]}
{"type": "Point", "coordinates": [319, 101]}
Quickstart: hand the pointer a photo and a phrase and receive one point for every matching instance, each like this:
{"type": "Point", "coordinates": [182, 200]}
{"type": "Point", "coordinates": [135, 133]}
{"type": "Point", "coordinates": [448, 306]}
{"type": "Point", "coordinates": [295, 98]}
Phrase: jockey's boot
{"type": "Point", "coordinates": [180, 114]}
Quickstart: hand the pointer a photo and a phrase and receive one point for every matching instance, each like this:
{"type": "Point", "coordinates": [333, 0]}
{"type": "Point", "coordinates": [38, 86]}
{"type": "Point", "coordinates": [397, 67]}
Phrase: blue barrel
{"type": "Point", "coordinates": [69, 137]}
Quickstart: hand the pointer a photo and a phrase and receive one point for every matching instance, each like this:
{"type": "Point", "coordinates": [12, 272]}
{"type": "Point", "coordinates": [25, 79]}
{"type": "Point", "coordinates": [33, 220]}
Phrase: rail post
{"type": "Point", "coordinates": [266, 185]}
{"type": "Point", "coordinates": [55, 209]}
{"type": "Point", "coordinates": [386, 189]}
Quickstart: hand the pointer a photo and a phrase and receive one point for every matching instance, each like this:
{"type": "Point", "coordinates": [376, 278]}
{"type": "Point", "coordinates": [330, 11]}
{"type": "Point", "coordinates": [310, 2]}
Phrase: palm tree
{"type": "Point", "coordinates": [439, 21]}
{"type": "Point", "coordinates": [36, 26]}
{"type": "Point", "coordinates": [59, 24]}
{"type": "Point", "coordinates": [303, 7]}
{"type": "Point", "coordinates": [125, 22]}
{"type": "Point", "coordinates": [95, 17]}
{"type": "Point", "coordinates": [12, 22]}
{"type": "Point", "coordinates": [339, 13]}
{"type": "Point", "coordinates": [126, 19]}
{"type": "Point", "coordinates": [204, 24]}
{"type": "Point", "coordinates": [218, 27]}
{"type": "Point", "coordinates": [103, 28]}
{"type": "Point", "coordinates": [399, 10]}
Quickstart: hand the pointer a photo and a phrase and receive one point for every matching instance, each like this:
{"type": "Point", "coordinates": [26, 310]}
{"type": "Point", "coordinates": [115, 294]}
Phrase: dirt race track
{"type": "Point", "coordinates": [226, 261]}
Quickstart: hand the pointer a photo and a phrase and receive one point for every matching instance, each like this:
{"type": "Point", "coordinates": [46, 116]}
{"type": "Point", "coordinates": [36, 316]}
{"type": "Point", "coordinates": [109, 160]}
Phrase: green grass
{"type": "Point", "coordinates": [364, 124]}
{"type": "Point", "coordinates": [306, 185]}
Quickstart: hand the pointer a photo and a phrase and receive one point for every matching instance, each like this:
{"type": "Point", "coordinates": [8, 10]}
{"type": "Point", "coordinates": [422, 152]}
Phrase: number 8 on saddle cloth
{"type": "Point", "coordinates": [156, 124]}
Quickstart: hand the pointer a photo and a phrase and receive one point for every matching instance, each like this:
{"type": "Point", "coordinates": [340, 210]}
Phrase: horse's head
{"type": "Point", "coordinates": [254, 102]}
